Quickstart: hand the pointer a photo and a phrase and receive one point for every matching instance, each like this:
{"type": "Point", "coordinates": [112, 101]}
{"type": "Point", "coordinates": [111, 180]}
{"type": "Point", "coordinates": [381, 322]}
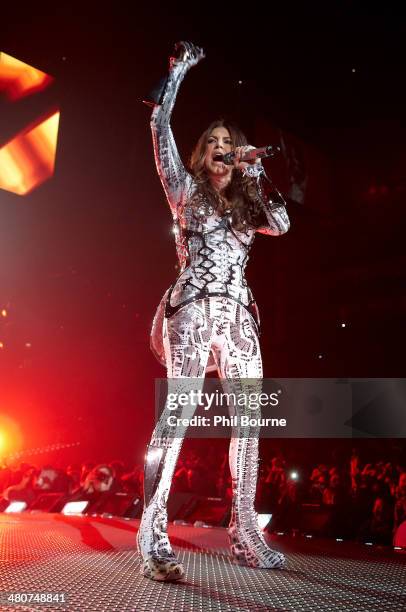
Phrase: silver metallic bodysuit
{"type": "Point", "coordinates": [212, 254]}
{"type": "Point", "coordinates": [207, 318]}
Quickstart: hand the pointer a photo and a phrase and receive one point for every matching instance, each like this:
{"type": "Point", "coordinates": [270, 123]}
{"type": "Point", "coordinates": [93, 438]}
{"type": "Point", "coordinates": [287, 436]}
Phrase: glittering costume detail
{"type": "Point", "coordinates": [212, 253]}
{"type": "Point", "coordinates": [159, 560]}
{"type": "Point", "coordinates": [208, 314]}
{"type": "Point", "coordinates": [247, 542]}
{"type": "Point", "coordinates": [225, 328]}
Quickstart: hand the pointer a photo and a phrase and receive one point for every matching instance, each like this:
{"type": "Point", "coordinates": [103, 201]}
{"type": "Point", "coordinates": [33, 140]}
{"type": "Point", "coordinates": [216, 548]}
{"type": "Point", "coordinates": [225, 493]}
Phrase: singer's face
{"type": "Point", "coordinates": [218, 143]}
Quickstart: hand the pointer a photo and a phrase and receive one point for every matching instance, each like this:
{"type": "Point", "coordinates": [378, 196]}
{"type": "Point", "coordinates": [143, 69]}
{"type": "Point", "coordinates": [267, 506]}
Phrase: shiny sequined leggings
{"type": "Point", "coordinates": [225, 328]}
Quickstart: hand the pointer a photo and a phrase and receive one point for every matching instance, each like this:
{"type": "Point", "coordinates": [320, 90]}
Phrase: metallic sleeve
{"type": "Point", "coordinates": [273, 205]}
{"type": "Point", "coordinates": [170, 168]}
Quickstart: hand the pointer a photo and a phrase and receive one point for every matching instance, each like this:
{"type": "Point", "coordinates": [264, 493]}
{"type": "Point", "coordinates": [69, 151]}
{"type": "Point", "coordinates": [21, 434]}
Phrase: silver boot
{"type": "Point", "coordinates": [159, 561]}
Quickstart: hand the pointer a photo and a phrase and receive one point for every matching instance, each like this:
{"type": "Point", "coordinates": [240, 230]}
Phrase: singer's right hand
{"type": "Point", "coordinates": [186, 53]}
{"type": "Point", "coordinates": [239, 153]}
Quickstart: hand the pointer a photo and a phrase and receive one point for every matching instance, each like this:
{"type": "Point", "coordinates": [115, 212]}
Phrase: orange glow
{"type": "Point", "coordinates": [11, 438]}
{"type": "Point", "coordinates": [29, 158]}
{"type": "Point", "coordinates": [18, 79]}
{"type": "Point", "coordinates": [4, 312]}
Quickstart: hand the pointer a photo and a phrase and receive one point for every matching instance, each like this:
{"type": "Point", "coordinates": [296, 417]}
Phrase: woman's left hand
{"type": "Point", "coordinates": [186, 53]}
{"type": "Point", "coordinates": [239, 153]}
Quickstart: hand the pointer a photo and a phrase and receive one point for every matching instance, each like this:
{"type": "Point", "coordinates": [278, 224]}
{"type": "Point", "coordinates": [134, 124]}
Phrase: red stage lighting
{"type": "Point", "coordinates": [28, 159]}
{"type": "Point", "coordinates": [18, 79]}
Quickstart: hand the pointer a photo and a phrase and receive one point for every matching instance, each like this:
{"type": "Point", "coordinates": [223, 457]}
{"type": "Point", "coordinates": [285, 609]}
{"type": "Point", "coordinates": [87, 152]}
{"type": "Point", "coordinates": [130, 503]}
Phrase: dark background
{"type": "Point", "coordinates": [86, 257]}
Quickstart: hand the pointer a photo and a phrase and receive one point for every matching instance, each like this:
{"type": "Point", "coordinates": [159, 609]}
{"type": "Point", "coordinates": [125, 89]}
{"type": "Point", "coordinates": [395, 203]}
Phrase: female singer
{"type": "Point", "coordinates": [208, 318]}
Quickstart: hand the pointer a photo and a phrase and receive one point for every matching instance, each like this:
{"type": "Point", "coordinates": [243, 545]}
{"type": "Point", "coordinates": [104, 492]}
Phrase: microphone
{"type": "Point", "coordinates": [251, 155]}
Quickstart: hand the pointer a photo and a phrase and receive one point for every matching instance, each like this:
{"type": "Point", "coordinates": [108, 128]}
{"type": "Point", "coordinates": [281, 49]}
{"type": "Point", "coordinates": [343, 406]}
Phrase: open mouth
{"type": "Point", "coordinates": [218, 157]}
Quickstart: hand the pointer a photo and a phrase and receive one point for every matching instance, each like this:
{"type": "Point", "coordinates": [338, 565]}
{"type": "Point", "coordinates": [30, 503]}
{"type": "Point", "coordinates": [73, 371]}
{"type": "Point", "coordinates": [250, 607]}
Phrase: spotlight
{"type": "Point", "coordinates": [76, 507]}
{"type": "Point", "coordinates": [294, 475]}
{"type": "Point", "coordinates": [16, 506]}
{"type": "Point", "coordinates": [2, 440]}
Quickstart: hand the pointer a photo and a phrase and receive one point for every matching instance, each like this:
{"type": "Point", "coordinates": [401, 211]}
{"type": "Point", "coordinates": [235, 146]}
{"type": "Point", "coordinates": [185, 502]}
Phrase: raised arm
{"type": "Point", "coordinates": [272, 202]}
{"type": "Point", "coordinates": [170, 168]}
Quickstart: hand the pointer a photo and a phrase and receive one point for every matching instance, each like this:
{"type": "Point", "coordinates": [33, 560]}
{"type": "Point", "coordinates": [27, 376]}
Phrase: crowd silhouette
{"type": "Point", "coordinates": [364, 501]}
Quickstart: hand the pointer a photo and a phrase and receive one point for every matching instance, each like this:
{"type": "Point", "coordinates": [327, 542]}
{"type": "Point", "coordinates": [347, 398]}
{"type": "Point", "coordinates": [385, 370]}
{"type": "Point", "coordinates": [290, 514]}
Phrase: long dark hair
{"type": "Point", "coordinates": [241, 192]}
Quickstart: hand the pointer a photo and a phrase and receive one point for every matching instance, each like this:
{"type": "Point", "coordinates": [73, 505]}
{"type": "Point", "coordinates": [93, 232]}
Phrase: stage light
{"type": "Point", "coordinates": [11, 438]}
{"type": "Point", "coordinates": [18, 79]}
{"type": "Point", "coordinates": [294, 475]}
{"type": "Point", "coordinates": [4, 312]}
{"type": "Point", "coordinates": [76, 507]}
{"type": "Point", "coordinates": [343, 324]}
{"type": "Point", "coordinates": [2, 440]}
{"type": "Point", "coordinates": [263, 520]}
{"type": "Point", "coordinates": [309, 536]}
{"type": "Point", "coordinates": [29, 158]}
{"type": "Point", "coordinates": [368, 543]}
{"type": "Point", "coordinates": [16, 506]}
{"type": "Point", "coordinates": [339, 540]}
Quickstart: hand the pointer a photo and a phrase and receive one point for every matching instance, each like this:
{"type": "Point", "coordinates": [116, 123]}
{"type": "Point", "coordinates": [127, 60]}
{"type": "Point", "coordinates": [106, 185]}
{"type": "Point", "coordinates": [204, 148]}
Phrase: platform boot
{"type": "Point", "coordinates": [159, 562]}
{"type": "Point", "coordinates": [247, 542]}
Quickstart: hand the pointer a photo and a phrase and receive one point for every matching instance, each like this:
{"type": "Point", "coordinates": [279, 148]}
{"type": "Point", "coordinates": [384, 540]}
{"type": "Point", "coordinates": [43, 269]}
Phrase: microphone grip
{"type": "Point", "coordinates": [252, 154]}
{"type": "Point", "coordinates": [228, 158]}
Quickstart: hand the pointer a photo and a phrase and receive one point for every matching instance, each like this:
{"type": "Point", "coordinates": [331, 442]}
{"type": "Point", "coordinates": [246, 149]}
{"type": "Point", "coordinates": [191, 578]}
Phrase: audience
{"type": "Point", "coordinates": [363, 501]}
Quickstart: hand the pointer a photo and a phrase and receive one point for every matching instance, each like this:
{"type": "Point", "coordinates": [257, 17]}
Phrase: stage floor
{"type": "Point", "coordinates": [94, 561]}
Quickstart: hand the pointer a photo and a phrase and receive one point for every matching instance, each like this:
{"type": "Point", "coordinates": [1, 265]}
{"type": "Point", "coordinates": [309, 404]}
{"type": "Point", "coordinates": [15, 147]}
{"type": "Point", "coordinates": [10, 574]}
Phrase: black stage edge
{"type": "Point", "coordinates": [94, 561]}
